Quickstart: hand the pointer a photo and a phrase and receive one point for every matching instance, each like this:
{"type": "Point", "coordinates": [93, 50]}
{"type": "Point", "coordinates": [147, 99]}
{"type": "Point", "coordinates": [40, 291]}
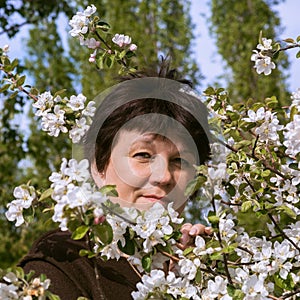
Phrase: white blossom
{"type": "Point", "coordinates": [80, 21]}
{"type": "Point", "coordinates": [89, 109]}
{"type": "Point", "coordinates": [262, 59]}
{"type": "Point", "coordinates": [76, 102]}
{"type": "Point", "coordinates": [54, 122]}
{"type": "Point", "coordinates": [121, 40]}
{"type": "Point", "coordinates": [296, 98]}
{"type": "Point", "coordinates": [78, 171]}
{"type": "Point", "coordinates": [15, 212]}
{"type": "Point", "coordinates": [26, 194]}
{"type": "Point", "coordinates": [78, 130]}
{"type": "Point", "coordinates": [216, 289]}
{"type": "Point", "coordinates": [255, 116]}
{"type": "Point", "coordinates": [254, 288]}
{"type": "Point", "coordinates": [43, 104]}
{"type": "Point", "coordinates": [266, 44]}
{"type": "Point", "coordinates": [292, 136]}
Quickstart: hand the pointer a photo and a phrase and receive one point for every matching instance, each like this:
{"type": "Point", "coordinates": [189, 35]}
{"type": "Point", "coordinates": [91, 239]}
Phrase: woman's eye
{"type": "Point", "coordinates": [142, 155]}
{"type": "Point", "coordinates": [181, 162]}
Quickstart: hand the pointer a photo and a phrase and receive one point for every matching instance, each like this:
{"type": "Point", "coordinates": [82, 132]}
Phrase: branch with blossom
{"type": "Point", "coordinates": [267, 50]}
{"type": "Point", "coordinates": [108, 49]}
{"type": "Point", "coordinates": [14, 284]}
{"type": "Point", "coordinates": [257, 174]}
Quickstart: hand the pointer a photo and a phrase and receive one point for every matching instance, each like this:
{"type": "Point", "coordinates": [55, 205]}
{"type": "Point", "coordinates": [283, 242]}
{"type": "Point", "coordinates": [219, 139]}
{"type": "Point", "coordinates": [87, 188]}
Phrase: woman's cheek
{"type": "Point", "coordinates": [131, 172]}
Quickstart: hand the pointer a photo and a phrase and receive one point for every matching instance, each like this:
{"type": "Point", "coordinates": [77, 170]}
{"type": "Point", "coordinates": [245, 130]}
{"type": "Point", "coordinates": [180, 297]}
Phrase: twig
{"type": "Point", "coordinates": [282, 232]}
{"type": "Point", "coordinates": [291, 294]}
{"type": "Point", "coordinates": [116, 214]}
{"type": "Point", "coordinates": [255, 157]}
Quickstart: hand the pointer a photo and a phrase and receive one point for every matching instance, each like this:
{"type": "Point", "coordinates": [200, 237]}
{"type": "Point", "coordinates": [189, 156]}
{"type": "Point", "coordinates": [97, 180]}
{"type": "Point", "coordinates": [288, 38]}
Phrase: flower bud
{"type": "Point", "coordinates": [132, 47]}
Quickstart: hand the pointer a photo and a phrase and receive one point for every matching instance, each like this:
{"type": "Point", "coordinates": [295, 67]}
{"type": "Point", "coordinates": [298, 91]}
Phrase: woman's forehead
{"type": "Point", "coordinates": [170, 139]}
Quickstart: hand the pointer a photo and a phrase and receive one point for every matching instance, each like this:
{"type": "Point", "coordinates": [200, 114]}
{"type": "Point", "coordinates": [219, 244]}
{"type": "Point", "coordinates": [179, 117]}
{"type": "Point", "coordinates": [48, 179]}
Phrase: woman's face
{"type": "Point", "coordinates": [148, 168]}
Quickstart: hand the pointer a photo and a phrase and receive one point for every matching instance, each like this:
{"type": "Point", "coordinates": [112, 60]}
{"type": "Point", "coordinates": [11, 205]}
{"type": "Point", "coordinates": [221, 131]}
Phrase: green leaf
{"type": "Point", "coordinates": [289, 40]}
{"type": "Point", "coordinates": [109, 190]}
{"type": "Point", "coordinates": [84, 252]}
{"type": "Point", "coordinates": [288, 211]}
{"type": "Point", "coordinates": [298, 54]}
{"type": "Point", "coordinates": [46, 194]}
{"type": "Point", "coordinates": [122, 54]}
{"type": "Point", "coordinates": [129, 247]}
{"type": "Point", "coordinates": [110, 61]}
{"type": "Point", "coordinates": [104, 232]}
{"type": "Point", "coordinates": [103, 26]}
{"type": "Point", "coordinates": [272, 102]}
{"type": "Point", "coordinates": [209, 91]}
{"type": "Point", "coordinates": [265, 173]}
{"type": "Point", "coordinates": [194, 185]}
{"type": "Point", "coordinates": [213, 219]}
{"type": "Point", "coordinates": [294, 111]}
{"type": "Point", "coordinates": [246, 206]}
{"type": "Point", "coordinates": [80, 232]}
{"type": "Point", "coordinates": [188, 251]}
{"type": "Point", "coordinates": [4, 87]}
{"type": "Point", "coordinates": [198, 277]}
{"type": "Point", "coordinates": [14, 63]}
{"type": "Point", "coordinates": [20, 81]}
{"type": "Point", "coordinates": [146, 262]}
{"type": "Point", "coordinates": [230, 189]}
{"type": "Point", "coordinates": [298, 38]}
{"type": "Point", "coordinates": [59, 93]}
{"type": "Point", "coordinates": [51, 296]}
{"type": "Point", "coordinates": [34, 91]}
{"type": "Point", "coordinates": [130, 54]}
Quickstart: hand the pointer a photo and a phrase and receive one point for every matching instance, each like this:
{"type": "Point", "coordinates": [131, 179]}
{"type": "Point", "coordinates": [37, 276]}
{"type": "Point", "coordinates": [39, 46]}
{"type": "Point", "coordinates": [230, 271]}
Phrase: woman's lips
{"type": "Point", "coordinates": [164, 200]}
{"type": "Point", "coordinates": [153, 198]}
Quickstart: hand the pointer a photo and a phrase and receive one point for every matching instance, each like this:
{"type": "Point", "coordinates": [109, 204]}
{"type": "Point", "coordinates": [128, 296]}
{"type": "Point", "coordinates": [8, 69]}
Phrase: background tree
{"type": "Point", "coordinates": [235, 26]}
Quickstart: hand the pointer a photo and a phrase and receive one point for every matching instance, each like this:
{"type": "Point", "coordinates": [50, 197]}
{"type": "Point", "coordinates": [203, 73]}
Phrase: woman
{"type": "Point", "coordinates": [146, 137]}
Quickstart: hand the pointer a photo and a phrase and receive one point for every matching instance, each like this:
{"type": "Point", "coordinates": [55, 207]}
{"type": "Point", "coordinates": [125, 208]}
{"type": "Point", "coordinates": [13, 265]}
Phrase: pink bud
{"type": "Point", "coordinates": [92, 59]}
{"type": "Point", "coordinates": [99, 220]}
{"type": "Point", "coordinates": [132, 47]}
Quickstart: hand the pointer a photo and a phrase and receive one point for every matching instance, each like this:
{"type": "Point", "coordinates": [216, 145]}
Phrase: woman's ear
{"type": "Point", "coordinates": [99, 178]}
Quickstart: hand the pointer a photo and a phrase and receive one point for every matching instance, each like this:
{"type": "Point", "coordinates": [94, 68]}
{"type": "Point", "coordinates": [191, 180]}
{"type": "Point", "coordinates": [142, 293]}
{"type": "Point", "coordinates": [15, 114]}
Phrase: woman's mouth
{"type": "Point", "coordinates": [153, 198]}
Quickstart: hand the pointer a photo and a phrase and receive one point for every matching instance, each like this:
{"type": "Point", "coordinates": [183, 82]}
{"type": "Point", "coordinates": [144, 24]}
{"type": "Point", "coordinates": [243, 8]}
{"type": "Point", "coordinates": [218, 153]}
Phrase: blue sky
{"type": "Point", "coordinates": [209, 61]}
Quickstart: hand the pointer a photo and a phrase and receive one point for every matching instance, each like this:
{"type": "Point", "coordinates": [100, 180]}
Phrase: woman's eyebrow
{"type": "Point", "coordinates": [141, 142]}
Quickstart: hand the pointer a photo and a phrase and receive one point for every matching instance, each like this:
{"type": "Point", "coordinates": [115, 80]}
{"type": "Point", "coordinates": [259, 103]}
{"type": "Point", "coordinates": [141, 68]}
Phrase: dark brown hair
{"type": "Point", "coordinates": [162, 94]}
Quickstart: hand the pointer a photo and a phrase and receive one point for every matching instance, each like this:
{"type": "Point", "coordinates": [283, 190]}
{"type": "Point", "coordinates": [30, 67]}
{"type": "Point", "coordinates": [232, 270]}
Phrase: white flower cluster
{"type": "Point", "coordinates": [24, 195]}
{"type": "Point", "coordinates": [159, 286]}
{"type": "Point", "coordinates": [82, 26]}
{"type": "Point", "coordinates": [260, 261]}
{"type": "Point", "coordinates": [267, 260]}
{"type": "Point", "coordinates": [150, 229]}
{"type": "Point", "coordinates": [14, 288]}
{"type": "Point", "coordinates": [71, 189]}
{"type": "Point", "coordinates": [292, 134]}
{"type": "Point", "coordinates": [58, 114]}
{"type": "Point", "coordinates": [262, 58]}
{"type": "Point", "coordinates": [269, 125]}
{"type": "Point", "coordinates": [80, 21]}
{"type": "Point", "coordinates": [296, 98]}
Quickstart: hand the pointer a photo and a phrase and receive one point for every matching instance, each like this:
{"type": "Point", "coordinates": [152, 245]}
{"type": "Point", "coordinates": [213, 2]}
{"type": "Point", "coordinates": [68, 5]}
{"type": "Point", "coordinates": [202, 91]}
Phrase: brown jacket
{"type": "Point", "coordinates": [57, 256]}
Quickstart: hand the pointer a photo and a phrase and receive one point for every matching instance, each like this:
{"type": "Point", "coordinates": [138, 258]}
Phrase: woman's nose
{"type": "Point", "coordinates": [160, 171]}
